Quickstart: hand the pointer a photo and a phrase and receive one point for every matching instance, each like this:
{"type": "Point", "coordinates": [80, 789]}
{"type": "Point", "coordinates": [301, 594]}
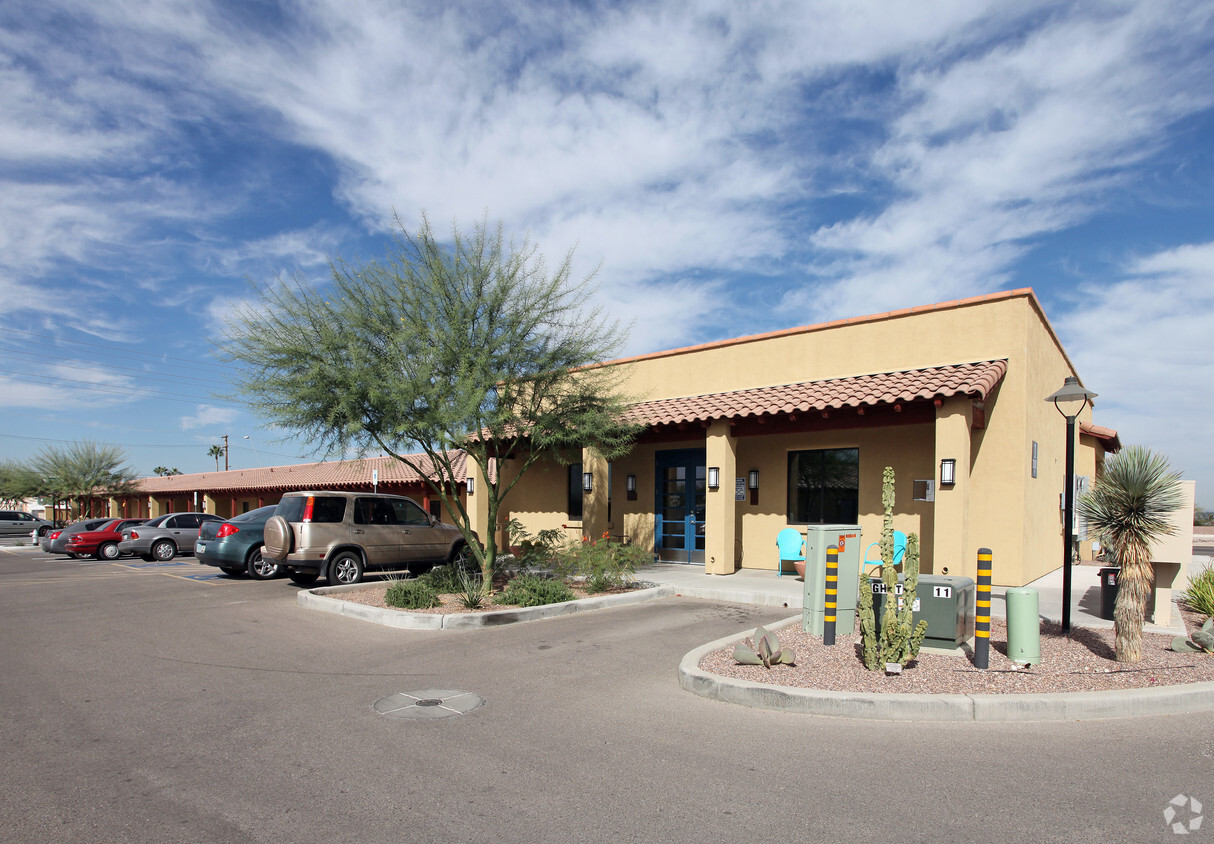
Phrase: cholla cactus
{"type": "Point", "coordinates": [900, 639]}
{"type": "Point", "coordinates": [766, 651]}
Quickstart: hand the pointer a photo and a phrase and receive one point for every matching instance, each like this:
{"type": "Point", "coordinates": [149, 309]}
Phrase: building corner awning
{"type": "Point", "coordinates": [1107, 437]}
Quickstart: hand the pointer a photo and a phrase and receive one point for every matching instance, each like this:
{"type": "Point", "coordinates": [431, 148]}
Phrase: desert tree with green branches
{"type": "Point", "coordinates": [469, 345]}
{"type": "Point", "coordinates": [1128, 508]}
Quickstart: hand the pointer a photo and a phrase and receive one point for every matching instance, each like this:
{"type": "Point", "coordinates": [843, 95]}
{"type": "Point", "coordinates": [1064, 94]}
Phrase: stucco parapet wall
{"type": "Point", "coordinates": [1068, 706]}
{"type": "Point", "coordinates": [326, 599]}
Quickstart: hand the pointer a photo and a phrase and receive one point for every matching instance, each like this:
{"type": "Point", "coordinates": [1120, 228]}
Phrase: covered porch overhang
{"type": "Point", "coordinates": [947, 402]}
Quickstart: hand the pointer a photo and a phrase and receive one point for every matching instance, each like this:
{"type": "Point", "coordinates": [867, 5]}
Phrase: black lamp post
{"type": "Point", "coordinates": [1070, 401]}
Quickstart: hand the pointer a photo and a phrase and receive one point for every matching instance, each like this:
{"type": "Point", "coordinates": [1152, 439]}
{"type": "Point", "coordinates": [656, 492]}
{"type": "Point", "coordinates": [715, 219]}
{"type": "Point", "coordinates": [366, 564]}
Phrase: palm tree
{"type": "Point", "coordinates": [164, 471]}
{"type": "Point", "coordinates": [216, 451]}
{"type": "Point", "coordinates": [1127, 508]}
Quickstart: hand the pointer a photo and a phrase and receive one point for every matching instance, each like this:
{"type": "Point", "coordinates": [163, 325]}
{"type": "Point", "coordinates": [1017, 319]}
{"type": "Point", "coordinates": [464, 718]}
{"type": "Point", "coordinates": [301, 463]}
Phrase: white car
{"type": "Point", "coordinates": [18, 523]}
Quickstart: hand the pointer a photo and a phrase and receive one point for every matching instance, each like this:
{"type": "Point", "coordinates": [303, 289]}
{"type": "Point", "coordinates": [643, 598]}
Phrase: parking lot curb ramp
{"type": "Point", "coordinates": [327, 599]}
{"type": "Point", "coordinates": [1063, 706]}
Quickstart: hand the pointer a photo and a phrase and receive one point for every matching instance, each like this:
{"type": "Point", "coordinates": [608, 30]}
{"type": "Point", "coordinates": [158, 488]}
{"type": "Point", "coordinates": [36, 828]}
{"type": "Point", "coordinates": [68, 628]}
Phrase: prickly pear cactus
{"type": "Point", "coordinates": [1203, 640]}
{"type": "Point", "coordinates": [766, 651]}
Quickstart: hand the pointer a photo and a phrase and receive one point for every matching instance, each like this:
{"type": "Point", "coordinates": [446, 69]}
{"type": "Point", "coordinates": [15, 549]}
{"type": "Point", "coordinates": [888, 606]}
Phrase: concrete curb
{"type": "Point", "coordinates": [1066, 706]}
{"type": "Point", "coordinates": [319, 599]}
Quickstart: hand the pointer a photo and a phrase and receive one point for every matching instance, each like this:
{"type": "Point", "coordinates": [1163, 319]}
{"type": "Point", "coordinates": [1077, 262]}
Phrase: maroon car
{"type": "Point", "coordinates": [101, 543]}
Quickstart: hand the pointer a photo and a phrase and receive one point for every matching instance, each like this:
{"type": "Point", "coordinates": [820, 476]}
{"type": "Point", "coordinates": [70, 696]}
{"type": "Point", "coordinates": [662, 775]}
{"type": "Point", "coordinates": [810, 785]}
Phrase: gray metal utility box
{"type": "Point", "coordinates": [946, 602]}
{"type": "Point", "coordinates": [817, 539]}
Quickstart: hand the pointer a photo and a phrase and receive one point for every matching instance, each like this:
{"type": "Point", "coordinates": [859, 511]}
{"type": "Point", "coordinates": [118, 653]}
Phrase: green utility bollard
{"type": "Point", "coordinates": [1023, 626]}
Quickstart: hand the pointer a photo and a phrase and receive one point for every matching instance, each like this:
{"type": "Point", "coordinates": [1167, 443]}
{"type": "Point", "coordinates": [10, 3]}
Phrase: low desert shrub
{"type": "Point", "coordinates": [1199, 597]}
{"type": "Point", "coordinates": [411, 595]}
{"type": "Point", "coordinates": [445, 580]}
{"type": "Point", "coordinates": [529, 590]}
{"type": "Point", "coordinates": [602, 563]}
{"type": "Point", "coordinates": [535, 551]}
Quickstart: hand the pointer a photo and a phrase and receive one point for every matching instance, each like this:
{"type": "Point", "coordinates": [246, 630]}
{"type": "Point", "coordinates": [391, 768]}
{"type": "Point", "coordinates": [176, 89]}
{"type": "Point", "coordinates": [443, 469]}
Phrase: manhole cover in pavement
{"type": "Point", "coordinates": [428, 703]}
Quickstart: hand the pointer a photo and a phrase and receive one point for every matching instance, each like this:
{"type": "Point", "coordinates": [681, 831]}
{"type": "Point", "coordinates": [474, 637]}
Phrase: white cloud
{"type": "Point", "coordinates": [1009, 144]}
{"type": "Point", "coordinates": [206, 414]}
{"type": "Point", "coordinates": [1141, 343]}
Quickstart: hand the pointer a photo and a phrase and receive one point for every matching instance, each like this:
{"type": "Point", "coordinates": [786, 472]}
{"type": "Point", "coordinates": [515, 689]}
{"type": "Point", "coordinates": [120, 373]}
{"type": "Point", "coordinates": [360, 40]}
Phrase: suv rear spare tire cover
{"type": "Point", "coordinates": [278, 538]}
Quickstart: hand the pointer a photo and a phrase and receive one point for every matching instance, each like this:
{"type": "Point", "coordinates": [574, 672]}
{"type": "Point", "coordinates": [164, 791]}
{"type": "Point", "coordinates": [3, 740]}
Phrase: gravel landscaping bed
{"type": "Point", "coordinates": [1080, 662]}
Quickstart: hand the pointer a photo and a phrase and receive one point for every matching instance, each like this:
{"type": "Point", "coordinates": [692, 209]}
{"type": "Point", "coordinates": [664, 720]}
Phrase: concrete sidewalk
{"type": "Point", "coordinates": [765, 588]}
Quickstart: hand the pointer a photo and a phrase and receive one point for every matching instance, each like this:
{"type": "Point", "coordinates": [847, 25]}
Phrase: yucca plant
{"type": "Point", "coordinates": [1128, 508]}
{"type": "Point", "coordinates": [1199, 597]}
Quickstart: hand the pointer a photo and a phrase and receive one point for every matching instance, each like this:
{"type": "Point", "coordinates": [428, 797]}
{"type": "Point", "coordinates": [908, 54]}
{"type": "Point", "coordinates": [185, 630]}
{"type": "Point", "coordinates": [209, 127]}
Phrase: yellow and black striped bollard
{"type": "Point", "coordinates": [832, 595]}
{"type": "Point", "coordinates": [982, 618]}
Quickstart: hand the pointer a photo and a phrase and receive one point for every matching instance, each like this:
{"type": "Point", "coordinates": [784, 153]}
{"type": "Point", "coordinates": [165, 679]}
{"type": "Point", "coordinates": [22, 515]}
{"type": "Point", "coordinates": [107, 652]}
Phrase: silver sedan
{"type": "Point", "coordinates": [164, 538]}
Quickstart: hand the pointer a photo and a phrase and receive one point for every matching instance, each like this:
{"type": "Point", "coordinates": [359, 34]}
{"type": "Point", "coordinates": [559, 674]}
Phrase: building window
{"type": "Point", "coordinates": [575, 491]}
{"type": "Point", "coordinates": [824, 486]}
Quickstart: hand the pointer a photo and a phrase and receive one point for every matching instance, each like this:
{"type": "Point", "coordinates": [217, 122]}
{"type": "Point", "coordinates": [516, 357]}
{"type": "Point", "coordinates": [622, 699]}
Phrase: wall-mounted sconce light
{"type": "Point", "coordinates": [948, 471]}
{"type": "Point", "coordinates": [471, 482]}
{"type": "Point", "coordinates": [630, 486]}
{"type": "Point", "coordinates": [588, 482]}
{"type": "Point", "coordinates": [714, 477]}
{"type": "Point", "coordinates": [752, 479]}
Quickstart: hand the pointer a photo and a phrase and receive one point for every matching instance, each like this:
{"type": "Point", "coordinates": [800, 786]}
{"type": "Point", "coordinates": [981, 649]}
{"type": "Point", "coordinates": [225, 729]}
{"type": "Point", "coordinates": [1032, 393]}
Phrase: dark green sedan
{"type": "Point", "coordinates": [235, 545]}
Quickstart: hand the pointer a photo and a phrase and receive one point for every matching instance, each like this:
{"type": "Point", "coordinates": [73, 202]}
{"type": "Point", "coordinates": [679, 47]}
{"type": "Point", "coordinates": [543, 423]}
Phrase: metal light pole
{"type": "Point", "coordinates": [255, 451]}
{"type": "Point", "coordinates": [1074, 398]}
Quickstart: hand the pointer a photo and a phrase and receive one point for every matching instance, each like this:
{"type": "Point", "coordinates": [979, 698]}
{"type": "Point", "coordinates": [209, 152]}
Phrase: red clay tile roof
{"type": "Point", "coordinates": [1107, 436]}
{"type": "Point", "coordinates": [329, 474]}
{"type": "Point", "coordinates": [976, 379]}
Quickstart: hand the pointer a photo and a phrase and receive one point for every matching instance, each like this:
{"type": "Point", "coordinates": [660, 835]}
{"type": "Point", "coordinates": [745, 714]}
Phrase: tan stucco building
{"type": "Point", "coordinates": [814, 415]}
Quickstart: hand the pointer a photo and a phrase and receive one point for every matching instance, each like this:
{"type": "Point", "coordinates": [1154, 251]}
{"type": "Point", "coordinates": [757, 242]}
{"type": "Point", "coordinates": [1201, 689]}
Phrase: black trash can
{"type": "Point", "coordinates": [1108, 591]}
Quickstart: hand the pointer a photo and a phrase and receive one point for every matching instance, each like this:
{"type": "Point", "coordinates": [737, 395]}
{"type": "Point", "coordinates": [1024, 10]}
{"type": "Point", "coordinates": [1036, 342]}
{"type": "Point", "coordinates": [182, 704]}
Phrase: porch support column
{"type": "Point", "coordinates": [477, 504]}
{"type": "Point", "coordinates": [594, 503]}
{"type": "Point", "coordinates": [951, 545]}
{"type": "Point", "coordinates": [720, 512]}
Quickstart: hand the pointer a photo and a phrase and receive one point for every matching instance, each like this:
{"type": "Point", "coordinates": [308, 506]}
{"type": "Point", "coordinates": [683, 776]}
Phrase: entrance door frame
{"type": "Point", "coordinates": [693, 463]}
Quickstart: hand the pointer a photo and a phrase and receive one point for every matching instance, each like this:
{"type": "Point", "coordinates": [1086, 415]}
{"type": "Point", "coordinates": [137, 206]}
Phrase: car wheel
{"type": "Point", "coordinates": [346, 568]}
{"type": "Point", "coordinates": [462, 557]}
{"type": "Point", "coordinates": [147, 558]}
{"type": "Point", "coordinates": [42, 531]}
{"type": "Point", "coordinates": [164, 550]}
{"type": "Point", "coordinates": [107, 551]}
{"type": "Point", "coordinates": [259, 567]}
{"type": "Point", "coordinates": [303, 578]}
{"type": "Point", "coordinates": [231, 572]}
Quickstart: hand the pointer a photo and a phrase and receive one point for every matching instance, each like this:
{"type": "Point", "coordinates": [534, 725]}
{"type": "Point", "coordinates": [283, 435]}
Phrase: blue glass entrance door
{"type": "Point", "coordinates": [681, 486]}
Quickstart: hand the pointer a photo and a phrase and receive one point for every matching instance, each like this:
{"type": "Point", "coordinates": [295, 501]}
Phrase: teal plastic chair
{"type": "Point", "coordinates": [899, 550]}
{"type": "Point", "coordinates": [791, 544]}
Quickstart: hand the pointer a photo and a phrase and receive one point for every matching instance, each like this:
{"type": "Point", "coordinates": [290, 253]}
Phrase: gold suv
{"type": "Point", "coordinates": [343, 534]}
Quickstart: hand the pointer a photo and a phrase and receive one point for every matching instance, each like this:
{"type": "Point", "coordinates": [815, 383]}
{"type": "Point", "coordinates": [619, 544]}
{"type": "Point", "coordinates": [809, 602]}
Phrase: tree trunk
{"type": "Point", "coordinates": [1129, 613]}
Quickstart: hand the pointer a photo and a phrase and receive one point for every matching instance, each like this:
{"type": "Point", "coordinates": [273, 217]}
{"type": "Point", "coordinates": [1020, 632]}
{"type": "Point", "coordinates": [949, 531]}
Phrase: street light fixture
{"type": "Point", "coordinates": [1070, 400]}
{"type": "Point", "coordinates": [255, 451]}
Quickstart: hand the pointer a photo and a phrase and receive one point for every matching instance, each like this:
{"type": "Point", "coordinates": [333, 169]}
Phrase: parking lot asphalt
{"type": "Point", "coordinates": [164, 703]}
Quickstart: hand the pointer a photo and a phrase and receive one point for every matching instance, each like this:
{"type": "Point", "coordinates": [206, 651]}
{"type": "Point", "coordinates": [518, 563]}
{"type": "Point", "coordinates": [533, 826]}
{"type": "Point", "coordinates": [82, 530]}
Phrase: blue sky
{"type": "Point", "coordinates": [735, 167]}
